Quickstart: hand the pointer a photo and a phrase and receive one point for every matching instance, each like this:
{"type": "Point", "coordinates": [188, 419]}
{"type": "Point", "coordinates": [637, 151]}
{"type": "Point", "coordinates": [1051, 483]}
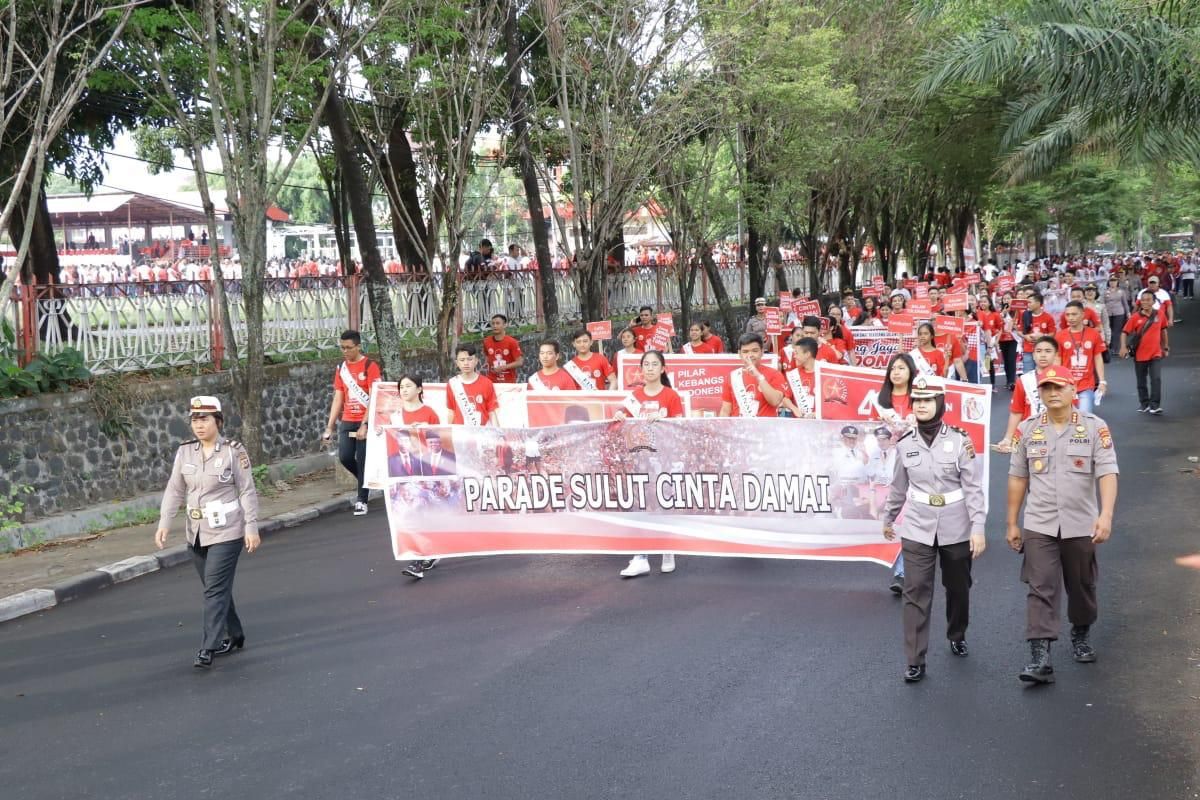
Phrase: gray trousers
{"type": "Point", "coordinates": [920, 561]}
{"type": "Point", "coordinates": [1049, 563]}
{"type": "Point", "coordinates": [217, 564]}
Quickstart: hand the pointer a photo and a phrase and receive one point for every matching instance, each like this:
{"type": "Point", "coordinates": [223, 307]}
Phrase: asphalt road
{"type": "Point", "coordinates": [523, 677]}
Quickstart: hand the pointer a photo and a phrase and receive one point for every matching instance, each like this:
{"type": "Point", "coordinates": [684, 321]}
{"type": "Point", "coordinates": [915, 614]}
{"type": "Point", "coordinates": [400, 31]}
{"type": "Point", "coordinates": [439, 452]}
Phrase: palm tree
{"type": "Point", "coordinates": [1117, 77]}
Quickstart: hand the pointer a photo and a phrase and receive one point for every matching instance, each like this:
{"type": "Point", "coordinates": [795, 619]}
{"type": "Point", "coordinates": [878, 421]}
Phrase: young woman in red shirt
{"type": "Point", "coordinates": [991, 325]}
{"type": "Point", "coordinates": [651, 401]}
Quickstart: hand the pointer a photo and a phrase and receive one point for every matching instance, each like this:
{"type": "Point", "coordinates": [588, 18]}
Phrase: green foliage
{"type": "Point", "coordinates": [55, 372]}
{"type": "Point", "coordinates": [262, 480]}
{"type": "Point", "coordinates": [12, 506]}
{"type": "Point", "coordinates": [111, 403]}
{"type": "Point", "coordinates": [126, 517]}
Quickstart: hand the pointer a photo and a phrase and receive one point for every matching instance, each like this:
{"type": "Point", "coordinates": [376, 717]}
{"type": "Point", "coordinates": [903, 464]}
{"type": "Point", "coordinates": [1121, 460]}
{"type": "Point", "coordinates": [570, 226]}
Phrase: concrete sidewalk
{"type": "Point", "coordinates": [67, 569]}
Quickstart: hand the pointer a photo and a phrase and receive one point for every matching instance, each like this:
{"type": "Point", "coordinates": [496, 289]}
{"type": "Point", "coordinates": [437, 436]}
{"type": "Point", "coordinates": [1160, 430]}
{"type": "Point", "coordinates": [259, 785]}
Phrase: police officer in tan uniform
{"type": "Point", "coordinates": [1059, 459]}
{"type": "Point", "coordinates": [939, 485]}
{"type": "Point", "coordinates": [213, 475]}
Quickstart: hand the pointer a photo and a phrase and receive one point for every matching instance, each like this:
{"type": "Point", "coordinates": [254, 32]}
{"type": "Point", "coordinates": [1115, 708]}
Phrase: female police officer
{"type": "Point", "coordinates": [213, 474]}
{"type": "Point", "coordinates": [937, 474]}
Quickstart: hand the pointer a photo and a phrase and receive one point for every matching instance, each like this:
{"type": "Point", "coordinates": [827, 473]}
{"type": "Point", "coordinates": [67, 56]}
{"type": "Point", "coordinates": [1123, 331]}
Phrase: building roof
{"type": "Point", "coordinates": [119, 209]}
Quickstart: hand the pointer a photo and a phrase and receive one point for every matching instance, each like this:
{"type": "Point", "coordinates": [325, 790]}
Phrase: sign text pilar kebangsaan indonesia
{"type": "Point", "coordinates": [700, 492]}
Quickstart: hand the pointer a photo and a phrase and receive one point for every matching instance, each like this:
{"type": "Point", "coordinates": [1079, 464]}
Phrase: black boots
{"type": "Point", "coordinates": [203, 659]}
{"type": "Point", "coordinates": [1081, 648]}
{"type": "Point", "coordinates": [1038, 670]}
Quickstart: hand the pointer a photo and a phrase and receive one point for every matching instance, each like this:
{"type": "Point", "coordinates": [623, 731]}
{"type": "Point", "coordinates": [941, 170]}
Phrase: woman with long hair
{"type": "Point", "coordinates": [1007, 341]}
{"type": "Point", "coordinates": [654, 400]}
{"type": "Point", "coordinates": [628, 340]}
{"type": "Point", "coordinates": [990, 326]}
{"type": "Point", "coordinates": [413, 410]}
{"type": "Point", "coordinates": [927, 356]}
{"type": "Point", "coordinates": [840, 338]}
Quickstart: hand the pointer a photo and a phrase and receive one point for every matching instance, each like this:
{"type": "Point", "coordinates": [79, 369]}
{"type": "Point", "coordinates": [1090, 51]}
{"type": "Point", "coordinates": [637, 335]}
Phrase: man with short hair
{"type": "Point", "coordinates": [590, 370]}
{"type": "Point", "coordinates": [1025, 401]}
{"type": "Point", "coordinates": [470, 397]}
{"type": "Point", "coordinates": [1145, 336]}
{"type": "Point", "coordinates": [348, 412]}
{"type": "Point", "coordinates": [811, 328]}
{"type": "Point", "coordinates": [801, 400]}
{"type": "Point", "coordinates": [752, 390]}
{"type": "Point", "coordinates": [550, 377]}
{"type": "Point", "coordinates": [1035, 323]}
{"type": "Point", "coordinates": [643, 327]}
{"type": "Point", "coordinates": [502, 352]}
{"type": "Point", "coordinates": [1059, 461]}
{"type": "Point", "coordinates": [1079, 348]}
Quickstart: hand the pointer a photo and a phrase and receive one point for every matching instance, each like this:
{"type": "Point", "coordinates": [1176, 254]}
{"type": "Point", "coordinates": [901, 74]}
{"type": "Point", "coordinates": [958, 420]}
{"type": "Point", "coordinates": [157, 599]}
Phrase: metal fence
{"type": "Point", "coordinates": [126, 327]}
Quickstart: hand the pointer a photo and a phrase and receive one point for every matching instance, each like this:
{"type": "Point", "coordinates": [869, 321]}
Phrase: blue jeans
{"type": "Point", "coordinates": [899, 568]}
{"type": "Point", "coordinates": [1027, 364]}
{"type": "Point", "coordinates": [972, 370]}
{"type": "Point", "coordinates": [1087, 400]}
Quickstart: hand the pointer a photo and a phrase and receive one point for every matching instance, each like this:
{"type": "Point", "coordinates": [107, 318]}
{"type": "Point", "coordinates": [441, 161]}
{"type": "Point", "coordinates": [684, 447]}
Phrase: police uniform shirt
{"type": "Point", "coordinates": [1062, 469]}
{"type": "Point", "coordinates": [224, 477]}
{"type": "Point", "coordinates": [946, 465]}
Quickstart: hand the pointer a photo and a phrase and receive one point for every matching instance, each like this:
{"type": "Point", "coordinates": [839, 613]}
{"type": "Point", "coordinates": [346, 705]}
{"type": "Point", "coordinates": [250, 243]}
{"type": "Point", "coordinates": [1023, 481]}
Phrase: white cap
{"type": "Point", "coordinates": [205, 404]}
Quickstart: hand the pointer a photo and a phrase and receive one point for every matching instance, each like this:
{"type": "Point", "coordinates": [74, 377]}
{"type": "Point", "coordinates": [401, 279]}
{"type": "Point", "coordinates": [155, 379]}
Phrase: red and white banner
{"type": "Point", "coordinates": [873, 347]}
{"type": "Point", "coordinates": [955, 326]}
{"type": "Point", "coordinates": [767, 488]}
{"type": "Point", "coordinates": [701, 376]}
{"type": "Point", "coordinates": [600, 331]}
{"type": "Point", "coordinates": [806, 308]}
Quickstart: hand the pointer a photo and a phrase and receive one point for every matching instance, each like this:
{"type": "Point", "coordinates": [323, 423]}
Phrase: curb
{"type": "Point", "coordinates": [96, 580]}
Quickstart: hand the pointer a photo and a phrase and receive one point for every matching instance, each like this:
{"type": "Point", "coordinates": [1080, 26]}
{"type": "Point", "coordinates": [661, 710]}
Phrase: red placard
{"type": "Point", "coordinates": [921, 290]}
{"type": "Point", "coordinates": [1004, 284]}
{"type": "Point", "coordinates": [973, 278]}
{"type": "Point", "coordinates": [872, 291]}
{"type": "Point", "coordinates": [667, 320]}
{"type": "Point", "coordinates": [877, 281]}
{"type": "Point", "coordinates": [903, 324]}
{"type": "Point", "coordinates": [1018, 304]}
{"type": "Point", "coordinates": [910, 283]}
{"type": "Point", "coordinates": [772, 315]}
{"type": "Point", "coordinates": [824, 324]}
{"type": "Point", "coordinates": [955, 301]}
{"type": "Point", "coordinates": [956, 326]}
{"type": "Point", "coordinates": [600, 330]}
{"type": "Point", "coordinates": [919, 307]}
{"type": "Point", "coordinates": [785, 303]}
{"type": "Point", "coordinates": [661, 340]}
{"type": "Point", "coordinates": [806, 308]}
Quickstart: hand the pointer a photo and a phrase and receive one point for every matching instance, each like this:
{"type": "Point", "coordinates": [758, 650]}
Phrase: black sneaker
{"type": "Point", "coordinates": [959, 648]}
{"type": "Point", "coordinates": [1081, 647]}
{"type": "Point", "coordinates": [914, 673]}
{"type": "Point", "coordinates": [1144, 407]}
{"type": "Point", "coordinates": [1155, 411]}
{"type": "Point", "coordinates": [429, 563]}
{"type": "Point", "coordinates": [415, 570]}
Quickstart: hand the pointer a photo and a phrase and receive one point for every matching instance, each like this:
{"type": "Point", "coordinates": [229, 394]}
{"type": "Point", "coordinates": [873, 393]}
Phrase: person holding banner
{"type": "Point", "coordinates": [696, 345]}
{"type": "Point", "coordinates": [938, 485]}
{"type": "Point", "coordinates": [351, 397]}
{"type": "Point", "coordinates": [550, 377]}
{"type": "Point", "coordinates": [752, 390]}
{"type": "Point", "coordinates": [413, 410]}
{"type": "Point", "coordinates": [470, 397]}
{"type": "Point", "coordinates": [643, 327]}
{"type": "Point", "coordinates": [628, 340]}
{"type": "Point", "coordinates": [716, 343]}
{"type": "Point", "coordinates": [929, 359]}
{"type": "Point", "coordinates": [1059, 461]}
{"type": "Point", "coordinates": [802, 379]}
{"type": "Point", "coordinates": [1026, 402]}
{"type": "Point", "coordinates": [589, 369]}
{"type": "Point", "coordinates": [840, 339]}
{"type": "Point", "coordinates": [653, 400]}
{"type": "Point", "coordinates": [811, 328]}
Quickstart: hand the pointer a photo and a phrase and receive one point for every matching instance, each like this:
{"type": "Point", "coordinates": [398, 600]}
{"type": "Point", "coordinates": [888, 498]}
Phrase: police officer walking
{"type": "Point", "coordinates": [213, 475]}
{"type": "Point", "coordinates": [1059, 458]}
{"type": "Point", "coordinates": [938, 483]}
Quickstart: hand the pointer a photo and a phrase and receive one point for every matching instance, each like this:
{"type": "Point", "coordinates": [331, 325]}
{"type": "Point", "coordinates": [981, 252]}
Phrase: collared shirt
{"type": "Point", "coordinates": [1062, 468]}
{"type": "Point", "coordinates": [947, 464]}
{"type": "Point", "coordinates": [224, 477]}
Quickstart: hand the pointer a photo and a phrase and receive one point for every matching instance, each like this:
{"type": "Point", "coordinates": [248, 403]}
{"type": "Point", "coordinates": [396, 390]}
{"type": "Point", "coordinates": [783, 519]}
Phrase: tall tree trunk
{"type": "Point", "coordinates": [335, 188]}
{"type": "Point", "coordinates": [41, 262]}
{"type": "Point", "coordinates": [718, 288]}
{"type": "Point", "coordinates": [358, 201]}
{"type": "Point", "coordinates": [401, 171]}
{"type": "Point", "coordinates": [518, 109]}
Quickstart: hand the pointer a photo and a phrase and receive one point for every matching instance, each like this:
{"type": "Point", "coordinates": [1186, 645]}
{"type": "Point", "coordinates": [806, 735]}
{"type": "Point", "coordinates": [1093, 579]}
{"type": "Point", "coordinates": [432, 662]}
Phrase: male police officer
{"type": "Point", "coordinates": [1058, 459]}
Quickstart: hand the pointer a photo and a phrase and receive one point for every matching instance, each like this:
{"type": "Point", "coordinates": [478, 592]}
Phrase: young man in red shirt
{"type": "Point", "coordinates": [811, 328]}
{"type": "Point", "coordinates": [589, 369]}
{"type": "Point", "coordinates": [1036, 322]}
{"type": "Point", "coordinates": [752, 390]}
{"type": "Point", "coordinates": [1026, 402]}
{"type": "Point", "coordinates": [1145, 334]}
{"type": "Point", "coordinates": [471, 397]}
{"type": "Point", "coordinates": [1090, 317]}
{"type": "Point", "coordinates": [502, 353]}
{"type": "Point", "coordinates": [643, 327]}
{"type": "Point", "coordinates": [801, 399]}
{"type": "Point", "coordinates": [348, 411]}
{"type": "Point", "coordinates": [1079, 349]}
{"type": "Point", "coordinates": [550, 377]}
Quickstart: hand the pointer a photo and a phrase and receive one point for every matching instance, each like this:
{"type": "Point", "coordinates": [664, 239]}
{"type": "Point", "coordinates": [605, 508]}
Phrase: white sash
{"type": "Point", "coordinates": [747, 405]}
{"type": "Point", "coordinates": [923, 365]}
{"type": "Point", "coordinates": [355, 391]}
{"type": "Point", "coordinates": [1029, 383]}
{"type": "Point", "coordinates": [470, 413]}
{"type": "Point", "coordinates": [535, 380]}
{"type": "Point", "coordinates": [804, 398]}
{"type": "Point", "coordinates": [688, 348]}
{"type": "Point", "coordinates": [632, 406]}
{"type": "Point", "coordinates": [582, 378]}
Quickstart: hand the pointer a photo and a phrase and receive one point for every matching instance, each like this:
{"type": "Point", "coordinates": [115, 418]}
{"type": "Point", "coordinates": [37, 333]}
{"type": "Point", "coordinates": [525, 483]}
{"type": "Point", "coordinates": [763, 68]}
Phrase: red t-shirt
{"type": "Point", "coordinates": [644, 334]}
{"type": "Point", "coordinates": [990, 321]}
{"type": "Point", "coordinates": [829, 354]}
{"type": "Point", "coordinates": [364, 372]}
{"type": "Point", "coordinates": [1090, 319]}
{"type": "Point", "coordinates": [482, 395]}
{"type": "Point", "coordinates": [668, 398]}
{"type": "Point", "coordinates": [936, 358]}
{"type": "Point", "coordinates": [560, 381]}
{"type": "Point", "coordinates": [715, 342]}
{"type": "Point", "coordinates": [596, 367]}
{"type": "Point", "coordinates": [506, 351]}
{"type": "Point", "coordinates": [616, 355]}
{"type": "Point", "coordinates": [955, 342]}
{"type": "Point", "coordinates": [1150, 346]}
{"type": "Point", "coordinates": [775, 380]}
{"type": "Point", "coordinates": [902, 405]}
{"type": "Point", "coordinates": [423, 415]}
{"type": "Point", "coordinates": [1042, 324]}
{"type": "Point", "coordinates": [1079, 351]}
{"type": "Point", "coordinates": [807, 379]}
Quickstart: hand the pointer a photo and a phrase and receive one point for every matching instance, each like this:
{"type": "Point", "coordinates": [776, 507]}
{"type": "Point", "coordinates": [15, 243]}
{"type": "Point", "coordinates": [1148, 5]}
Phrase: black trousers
{"type": "Point", "coordinates": [919, 563]}
{"type": "Point", "coordinates": [1149, 381]}
{"type": "Point", "coordinates": [1187, 287]}
{"type": "Point", "coordinates": [217, 564]}
{"type": "Point", "coordinates": [1008, 351]}
{"type": "Point", "coordinates": [353, 455]}
{"type": "Point", "coordinates": [1052, 564]}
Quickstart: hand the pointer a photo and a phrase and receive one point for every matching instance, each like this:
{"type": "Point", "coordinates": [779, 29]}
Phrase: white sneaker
{"type": "Point", "coordinates": [638, 565]}
{"type": "Point", "coordinates": [668, 564]}
{"type": "Point", "coordinates": [360, 508]}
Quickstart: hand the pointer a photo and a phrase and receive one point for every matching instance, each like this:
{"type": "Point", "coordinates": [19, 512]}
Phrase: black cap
{"type": "Point", "coordinates": [883, 433]}
{"type": "Point", "coordinates": [850, 430]}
